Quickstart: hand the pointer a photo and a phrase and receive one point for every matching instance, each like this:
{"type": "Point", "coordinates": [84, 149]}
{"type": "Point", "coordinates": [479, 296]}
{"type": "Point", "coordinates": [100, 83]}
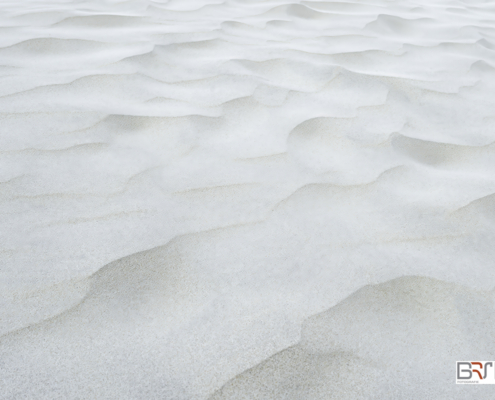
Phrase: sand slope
{"type": "Point", "coordinates": [245, 199]}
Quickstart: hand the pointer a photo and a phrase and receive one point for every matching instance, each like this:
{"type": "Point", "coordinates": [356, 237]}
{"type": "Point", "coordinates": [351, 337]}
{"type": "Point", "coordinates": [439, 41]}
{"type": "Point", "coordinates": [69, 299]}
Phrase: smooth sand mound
{"type": "Point", "coordinates": [184, 184]}
{"type": "Point", "coordinates": [390, 340]}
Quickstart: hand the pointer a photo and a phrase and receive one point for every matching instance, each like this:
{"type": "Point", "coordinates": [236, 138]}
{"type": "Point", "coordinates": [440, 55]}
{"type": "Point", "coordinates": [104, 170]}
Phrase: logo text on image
{"type": "Point", "coordinates": [477, 372]}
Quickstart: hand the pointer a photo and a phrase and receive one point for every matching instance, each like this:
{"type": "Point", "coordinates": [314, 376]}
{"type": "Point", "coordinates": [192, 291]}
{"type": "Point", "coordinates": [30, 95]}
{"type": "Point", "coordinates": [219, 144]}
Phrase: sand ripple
{"type": "Point", "coordinates": [185, 185]}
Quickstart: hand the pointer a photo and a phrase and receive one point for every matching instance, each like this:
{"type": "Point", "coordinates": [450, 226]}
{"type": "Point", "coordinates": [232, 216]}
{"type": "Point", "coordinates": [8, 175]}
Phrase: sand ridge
{"type": "Point", "coordinates": [185, 185]}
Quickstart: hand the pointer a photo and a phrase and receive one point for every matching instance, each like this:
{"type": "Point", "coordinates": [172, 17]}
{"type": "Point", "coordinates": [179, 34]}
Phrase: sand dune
{"type": "Point", "coordinates": [426, 324]}
{"type": "Point", "coordinates": [254, 199]}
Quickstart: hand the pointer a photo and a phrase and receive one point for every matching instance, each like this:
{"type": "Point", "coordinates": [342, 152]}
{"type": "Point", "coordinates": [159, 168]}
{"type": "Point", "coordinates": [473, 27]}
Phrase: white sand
{"type": "Point", "coordinates": [246, 199]}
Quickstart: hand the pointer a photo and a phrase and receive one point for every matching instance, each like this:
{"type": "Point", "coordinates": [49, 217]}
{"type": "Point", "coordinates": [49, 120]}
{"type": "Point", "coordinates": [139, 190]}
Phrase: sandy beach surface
{"type": "Point", "coordinates": [246, 199]}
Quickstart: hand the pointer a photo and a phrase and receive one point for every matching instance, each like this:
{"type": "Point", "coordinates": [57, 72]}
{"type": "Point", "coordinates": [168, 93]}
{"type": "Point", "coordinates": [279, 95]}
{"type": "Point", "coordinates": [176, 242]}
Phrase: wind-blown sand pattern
{"type": "Point", "coordinates": [247, 199]}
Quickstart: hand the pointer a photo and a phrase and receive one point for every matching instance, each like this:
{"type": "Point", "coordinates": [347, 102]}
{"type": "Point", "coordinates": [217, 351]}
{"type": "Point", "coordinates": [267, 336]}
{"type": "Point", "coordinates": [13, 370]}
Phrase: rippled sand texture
{"type": "Point", "coordinates": [246, 199]}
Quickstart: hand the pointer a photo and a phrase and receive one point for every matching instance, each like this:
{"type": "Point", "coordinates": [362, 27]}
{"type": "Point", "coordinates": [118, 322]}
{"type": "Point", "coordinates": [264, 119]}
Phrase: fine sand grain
{"type": "Point", "coordinates": [246, 199]}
